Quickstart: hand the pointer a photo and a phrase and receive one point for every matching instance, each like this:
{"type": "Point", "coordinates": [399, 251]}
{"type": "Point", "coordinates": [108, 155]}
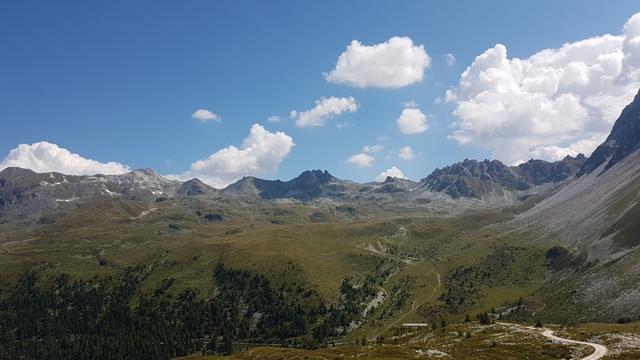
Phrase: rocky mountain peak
{"type": "Point", "coordinates": [392, 185]}
{"type": "Point", "coordinates": [390, 180]}
{"type": "Point", "coordinates": [146, 173]}
{"type": "Point", "coordinates": [472, 178]}
{"type": "Point", "coordinates": [314, 176]}
{"type": "Point", "coordinates": [308, 185]}
{"type": "Point", "coordinates": [195, 188]}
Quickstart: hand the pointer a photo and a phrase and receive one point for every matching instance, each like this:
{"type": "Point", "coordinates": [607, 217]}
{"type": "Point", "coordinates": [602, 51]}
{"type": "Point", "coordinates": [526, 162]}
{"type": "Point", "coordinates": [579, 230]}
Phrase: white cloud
{"type": "Point", "coordinates": [550, 103]}
{"type": "Point", "coordinates": [372, 148]}
{"type": "Point", "coordinates": [274, 119]}
{"type": "Point", "coordinates": [44, 157]}
{"type": "Point", "coordinates": [361, 160]}
{"type": "Point", "coordinates": [395, 63]}
{"type": "Point", "coordinates": [411, 104]}
{"type": "Point", "coordinates": [326, 108]}
{"type": "Point", "coordinates": [412, 121]}
{"type": "Point", "coordinates": [450, 59]}
{"type": "Point", "coordinates": [555, 153]}
{"type": "Point", "coordinates": [392, 172]}
{"type": "Point", "coordinates": [406, 153]}
{"type": "Point", "coordinates": [261, 153]}
{"type": "Point", "coordinates": [204, 115]}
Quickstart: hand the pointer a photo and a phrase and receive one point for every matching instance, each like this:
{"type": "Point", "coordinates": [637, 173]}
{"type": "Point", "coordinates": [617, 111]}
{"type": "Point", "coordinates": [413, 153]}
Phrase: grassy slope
{"type": "Point", "coordinates": [103, 239]}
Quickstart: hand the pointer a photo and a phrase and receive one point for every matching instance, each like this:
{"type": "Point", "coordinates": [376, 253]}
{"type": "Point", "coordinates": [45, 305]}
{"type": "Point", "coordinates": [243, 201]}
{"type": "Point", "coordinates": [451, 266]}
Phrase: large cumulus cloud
{"type": "Point", "coordinates": [392, 64]}
{"type": "Point", "coordinates": [260, 153]}
{"type": "Point", "coordinates": [47, 157]}
{"type": "Point", "coordinates": [555, 103]}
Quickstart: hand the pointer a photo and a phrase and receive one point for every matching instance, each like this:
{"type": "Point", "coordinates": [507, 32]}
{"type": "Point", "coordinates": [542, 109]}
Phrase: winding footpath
{"type": "Point", "coordinates": [599, 350]}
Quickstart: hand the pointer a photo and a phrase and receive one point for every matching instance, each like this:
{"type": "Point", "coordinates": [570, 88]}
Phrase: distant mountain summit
{"type": "Point", "coordinates": [306, 186]}
{"type": "Point", "coordinates": [141, 184]}
{"type": "Point", "coordinates": [316, 177]}
{"type": "Point", "coordinates": [27, 195]}
{"type": "Point", "coordinates": [472, 178]}
{"type": "Point", "coordinates": [395, 185]}
{"type": "Point", "coordinates": [195, 188]}
{"type": "Point", "coordinates": [622, 141]}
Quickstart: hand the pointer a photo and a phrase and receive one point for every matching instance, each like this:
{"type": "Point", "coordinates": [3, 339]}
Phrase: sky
{"type": "Point", "coordinates": [364, 89]}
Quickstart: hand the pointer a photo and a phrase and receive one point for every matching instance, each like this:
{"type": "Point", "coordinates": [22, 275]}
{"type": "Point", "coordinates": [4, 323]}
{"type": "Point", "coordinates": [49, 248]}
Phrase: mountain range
{"type": "Point", "coordinates": [551, 241]}
{"type": "Point", "coordinates": [489, 183]}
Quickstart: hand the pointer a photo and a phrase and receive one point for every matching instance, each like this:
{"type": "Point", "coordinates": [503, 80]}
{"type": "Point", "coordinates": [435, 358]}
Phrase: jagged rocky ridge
{"type": "Point", "coordinates": [472, 178]}
{"type": "Point", "coordinates": [469, 178]}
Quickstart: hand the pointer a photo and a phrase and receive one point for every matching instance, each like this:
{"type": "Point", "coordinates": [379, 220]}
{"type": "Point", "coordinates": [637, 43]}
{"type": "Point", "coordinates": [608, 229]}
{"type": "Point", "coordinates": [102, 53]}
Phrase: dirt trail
{"type": "Point", "coordinates": [599, 350]}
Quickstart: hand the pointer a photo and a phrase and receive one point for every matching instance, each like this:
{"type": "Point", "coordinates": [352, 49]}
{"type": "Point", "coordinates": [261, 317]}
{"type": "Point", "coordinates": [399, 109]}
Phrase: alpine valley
{"type": "Point", "coordinates": [459, 265]}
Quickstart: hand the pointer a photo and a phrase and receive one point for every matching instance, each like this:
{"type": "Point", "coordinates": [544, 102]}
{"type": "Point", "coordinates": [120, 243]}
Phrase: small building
{"type": "Point", "coordinates": [414, 325]}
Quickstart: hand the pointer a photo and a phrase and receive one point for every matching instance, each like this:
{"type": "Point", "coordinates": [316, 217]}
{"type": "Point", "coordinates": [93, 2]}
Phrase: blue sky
{"type": "Point", "coordinates": [119, 80]}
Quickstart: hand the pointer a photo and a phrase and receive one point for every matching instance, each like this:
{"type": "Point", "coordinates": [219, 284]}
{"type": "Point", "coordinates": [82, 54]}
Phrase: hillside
{"type": "Point", "coordinates": [595, 218]}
